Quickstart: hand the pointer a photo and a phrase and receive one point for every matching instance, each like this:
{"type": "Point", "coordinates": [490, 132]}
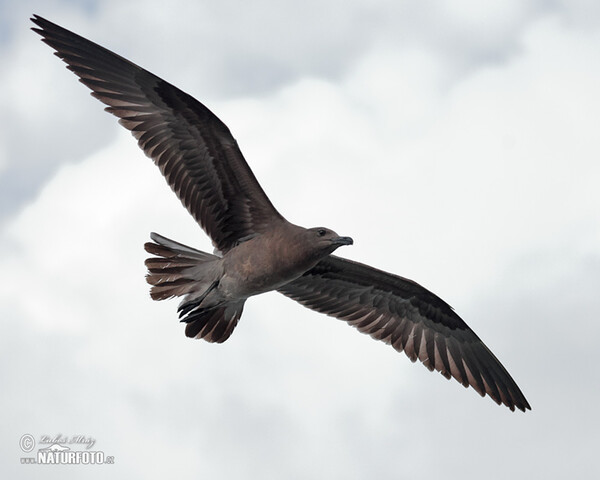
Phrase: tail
{"type": "Point", "coordinates": [177, 270]}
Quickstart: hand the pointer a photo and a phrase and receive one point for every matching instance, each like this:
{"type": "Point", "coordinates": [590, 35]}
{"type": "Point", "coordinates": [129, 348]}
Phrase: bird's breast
{"type": "Point", "coordinates": [256, 267]}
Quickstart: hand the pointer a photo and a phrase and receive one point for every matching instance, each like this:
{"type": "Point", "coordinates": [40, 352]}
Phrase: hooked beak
{"type": "Point", "coordinates": [342, 241]}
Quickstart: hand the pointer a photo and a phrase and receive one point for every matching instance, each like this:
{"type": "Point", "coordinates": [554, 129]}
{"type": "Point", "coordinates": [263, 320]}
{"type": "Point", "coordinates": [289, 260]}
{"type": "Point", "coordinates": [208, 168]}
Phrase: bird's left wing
{"type": "Point", "coordinates": [402, 313]}
{"type": "Point", "coordinates": [194, 150]}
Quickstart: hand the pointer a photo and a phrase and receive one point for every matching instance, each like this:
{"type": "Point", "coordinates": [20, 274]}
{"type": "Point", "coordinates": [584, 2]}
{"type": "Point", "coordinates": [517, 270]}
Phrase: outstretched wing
{"type": "Point", "coordinates": [402, 313]}
{"type": "Point", "coordinates": [194, 150]}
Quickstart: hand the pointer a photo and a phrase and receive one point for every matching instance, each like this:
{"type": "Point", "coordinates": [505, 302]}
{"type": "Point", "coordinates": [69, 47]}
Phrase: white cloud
{"type": "Point", "coordinates": [481, 185]}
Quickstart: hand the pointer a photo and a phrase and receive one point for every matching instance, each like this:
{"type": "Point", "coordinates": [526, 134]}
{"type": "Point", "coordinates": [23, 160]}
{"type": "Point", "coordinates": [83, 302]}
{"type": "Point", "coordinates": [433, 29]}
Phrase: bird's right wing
{"type": "Point", "coordinates": [402, 313]}
{"type": "Point", "coordinates": [194, 150]}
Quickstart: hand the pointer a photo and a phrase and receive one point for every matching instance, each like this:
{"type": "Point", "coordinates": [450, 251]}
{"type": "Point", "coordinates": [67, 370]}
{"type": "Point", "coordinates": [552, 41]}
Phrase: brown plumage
{"type": "Point", "coordinates": [259, 249]}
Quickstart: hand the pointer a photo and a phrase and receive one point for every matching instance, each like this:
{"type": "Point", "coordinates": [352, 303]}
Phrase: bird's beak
{"type": "Point", "coordinates": [342, 241]}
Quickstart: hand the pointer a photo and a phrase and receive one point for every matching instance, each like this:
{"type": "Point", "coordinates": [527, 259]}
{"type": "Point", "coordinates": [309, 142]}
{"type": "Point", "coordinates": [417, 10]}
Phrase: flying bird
{"type": "Point", "coordinates": [257, 249]}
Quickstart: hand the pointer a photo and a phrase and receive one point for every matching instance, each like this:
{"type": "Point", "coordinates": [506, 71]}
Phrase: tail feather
{"type": "Point", "coordinates": [214, 325]}
{"type": "Point", "coordinates": [178, 270]}
{"type": "Point", "coordinates": [165, 247]}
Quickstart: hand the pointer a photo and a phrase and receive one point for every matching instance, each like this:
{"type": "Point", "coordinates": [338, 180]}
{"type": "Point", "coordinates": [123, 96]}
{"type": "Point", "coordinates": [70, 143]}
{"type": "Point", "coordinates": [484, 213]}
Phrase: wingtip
{"type": "Point", "coordinates": [513, 403]}
{"type": "Point", "coordinates": [42, 26]}
{"type": "Point", "coordinates": [524, 406]}
{"type": "Point", "coordinates": [38, 20]}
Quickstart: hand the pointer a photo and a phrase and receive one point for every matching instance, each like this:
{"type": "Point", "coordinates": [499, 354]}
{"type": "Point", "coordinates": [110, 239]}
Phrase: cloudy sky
{"type": "Point", "coordinates": [455, 141]}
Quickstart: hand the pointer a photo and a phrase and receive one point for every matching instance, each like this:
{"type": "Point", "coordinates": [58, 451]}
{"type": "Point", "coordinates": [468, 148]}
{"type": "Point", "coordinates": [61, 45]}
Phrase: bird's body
{"type": "Point", "coordinates": [258, 249]}
{"type": "Point", "coordinates": [214, 288]}
{"type": "Point", "coordinates": [272, 259]}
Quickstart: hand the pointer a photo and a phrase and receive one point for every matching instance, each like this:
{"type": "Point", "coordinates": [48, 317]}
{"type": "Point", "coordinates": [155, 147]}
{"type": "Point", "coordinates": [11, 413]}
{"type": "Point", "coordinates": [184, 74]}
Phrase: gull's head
{"type": "Point", "coordinates": [327, 240]}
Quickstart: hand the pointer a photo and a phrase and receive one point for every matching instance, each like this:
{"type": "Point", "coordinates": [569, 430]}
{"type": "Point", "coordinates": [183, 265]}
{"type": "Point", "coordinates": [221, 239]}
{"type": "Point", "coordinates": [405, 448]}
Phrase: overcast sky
{"type": "Point", "coordinates": [455, 141]}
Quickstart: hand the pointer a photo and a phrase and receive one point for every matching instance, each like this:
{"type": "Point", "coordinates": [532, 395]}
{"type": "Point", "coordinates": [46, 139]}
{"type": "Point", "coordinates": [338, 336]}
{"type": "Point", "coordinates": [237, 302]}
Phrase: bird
{"type": "Point", "coordinates": [256, 249]}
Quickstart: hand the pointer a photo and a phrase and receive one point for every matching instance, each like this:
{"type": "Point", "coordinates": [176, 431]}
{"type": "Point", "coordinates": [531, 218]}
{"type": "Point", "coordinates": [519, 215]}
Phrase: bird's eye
{"type": "Point", "coordinates": [321, 232]}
